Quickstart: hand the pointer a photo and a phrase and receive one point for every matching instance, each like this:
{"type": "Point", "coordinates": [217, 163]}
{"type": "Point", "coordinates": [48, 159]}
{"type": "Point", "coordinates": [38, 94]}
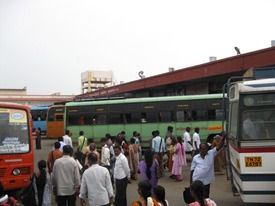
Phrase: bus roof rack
{"type": "Point", "coordinates": [99, 99]}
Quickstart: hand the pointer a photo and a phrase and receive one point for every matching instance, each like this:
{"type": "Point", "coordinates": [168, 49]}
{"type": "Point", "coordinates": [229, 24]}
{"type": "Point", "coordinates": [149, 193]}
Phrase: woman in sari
{"type": "Point", "coordinates": [134, 158]}
{"type": "Point", "coordinates": [179, 159]}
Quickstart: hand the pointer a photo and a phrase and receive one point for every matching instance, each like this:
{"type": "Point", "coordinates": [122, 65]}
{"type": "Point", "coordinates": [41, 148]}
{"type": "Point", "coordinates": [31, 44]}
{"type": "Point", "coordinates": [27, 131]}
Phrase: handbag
{"type": "Point", "coordinates": [188, 198]}
{"type": "Point", "coordinates": [27, 195]}
{"type": "Point", "coordinates": [158, 172]}
{"type": "Point", "coordinates": [78, 155]}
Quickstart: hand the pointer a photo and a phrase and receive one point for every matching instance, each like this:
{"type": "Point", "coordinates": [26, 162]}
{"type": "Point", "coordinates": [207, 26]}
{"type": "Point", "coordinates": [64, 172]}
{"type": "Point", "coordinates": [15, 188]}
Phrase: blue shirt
{"type": "Point", "coordinates": [204, 168]}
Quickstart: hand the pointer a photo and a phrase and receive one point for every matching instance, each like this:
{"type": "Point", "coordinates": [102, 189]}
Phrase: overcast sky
{"type": "Point", "coordinates": [46, 45]}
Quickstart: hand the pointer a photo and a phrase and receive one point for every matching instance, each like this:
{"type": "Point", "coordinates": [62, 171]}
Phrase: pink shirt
{"type": "Point", "coordinates": [209, 202]}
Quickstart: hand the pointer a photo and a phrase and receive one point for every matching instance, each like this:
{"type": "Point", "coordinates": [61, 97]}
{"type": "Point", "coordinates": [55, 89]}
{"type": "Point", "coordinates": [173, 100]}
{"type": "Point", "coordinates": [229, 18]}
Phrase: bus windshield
{"type": "Point", "coordinates": [14, 133]}
{"type": "Point", "coordinates": [258, 124]}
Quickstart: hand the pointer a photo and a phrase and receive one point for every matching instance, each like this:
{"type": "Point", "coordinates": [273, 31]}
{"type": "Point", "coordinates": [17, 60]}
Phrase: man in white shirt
{"type": "Point", "coordinates": [96, 182]}
{"type": "Point", "coordinates": [66, 178]}
{"type": "Point", "coordinates": [105, 154]}
{"type": "Point", "coordinates": [202, 166]}
{"type": "Point", "coordinates": [196, 142]}
{"type": "Point", "coordinates": [67, 139]}
{"type": "Point", "coordinates": [188, 147]}
{"type": "Point", "coordinates": [62, 144]}
{"type": "Point", "coordinates": [122, 176]}
{"type": "Point", "coordinates": [158, 147]}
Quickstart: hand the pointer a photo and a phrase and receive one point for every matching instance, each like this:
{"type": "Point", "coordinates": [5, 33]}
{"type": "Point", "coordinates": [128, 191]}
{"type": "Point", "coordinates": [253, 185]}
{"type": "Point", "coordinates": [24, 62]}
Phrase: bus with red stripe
{"type": "Point", "coordinates": [251, 139]}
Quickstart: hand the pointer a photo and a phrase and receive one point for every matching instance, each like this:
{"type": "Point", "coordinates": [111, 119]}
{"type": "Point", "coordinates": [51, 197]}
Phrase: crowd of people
{"type": "Point", "coordinates": [101, 177]}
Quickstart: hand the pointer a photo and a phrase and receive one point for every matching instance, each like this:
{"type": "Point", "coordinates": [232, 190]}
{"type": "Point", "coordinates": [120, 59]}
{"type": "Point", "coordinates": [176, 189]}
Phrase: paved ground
{"type": "Point", "coordinates": [220, 189]}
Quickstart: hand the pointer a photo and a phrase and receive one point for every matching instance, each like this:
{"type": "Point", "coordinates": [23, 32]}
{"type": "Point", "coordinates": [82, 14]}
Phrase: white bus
{"type": "Point", "coordinates": [251, 139]}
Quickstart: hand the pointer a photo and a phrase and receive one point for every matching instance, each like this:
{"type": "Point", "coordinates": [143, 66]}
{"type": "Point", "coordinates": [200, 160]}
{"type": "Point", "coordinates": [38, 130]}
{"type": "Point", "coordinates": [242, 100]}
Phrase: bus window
{"type": "Point", "coordinates": [215, 114]}
{"type": "Point", "coordinates": [143, 118]}
{"type": "Point", "coordinates": [180, 116]}
{"type": "Point", "coordinates": [95, 119]}
{"type": "Point", "coordinates": [59, 117]}
{"type": "Point", "coordinates": [14, 134]}
{"type": "Point", "coordinates": [199, 115]}
{"type": "Point", "coordinates": [166, 116]}
{"type": "Point", "coordinates": [51, 118]}
{"type": "Point", "coordinates": [219, 114]}
{"type": "Point", "coordinates": [135, 117]}
{"type": "Point", "coordinates": [258, 125]}
{"type": "Point", "coordinates": [160, 117]}
{"type": "Point", "coordinates": [101, 119]}
{"type": "Point", "coordinates": [87, 119]}
{"type": "Point", "coordinates": [233, 124]}
{"type": "Point", "coordinates": [116, 118]}
{"type": "Point", "coordinates": [187, 116]}
{"type": "Point", "coordinates": [132, 117]}
{"type": "Point", "coordinates": [81, 120]}
{"type": "Point", "coordinates": [151, 117]}
{"type": "Point", "coordinates": [43, 117]}
{"type": "Point", "coordinates": [128, 118]}
{"type": "Point", "coordinates": [73, 120]}
{"type": "Point", "coordinates": [212, 114]}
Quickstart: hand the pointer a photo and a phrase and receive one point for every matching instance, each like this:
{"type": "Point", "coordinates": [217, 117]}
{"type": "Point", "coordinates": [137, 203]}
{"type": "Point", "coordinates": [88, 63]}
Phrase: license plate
{"type": "Point", "coordinates": [253, 161]}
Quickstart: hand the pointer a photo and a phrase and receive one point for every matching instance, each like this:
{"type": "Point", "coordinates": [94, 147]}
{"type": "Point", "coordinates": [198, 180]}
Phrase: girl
{"type": "Point", "coordinates": [197, 189]}
{"type": "Point", "coordinates": [159, 195]}
{"type": "Point", "coordinates": [42, 185]}
{"type": "Point", "coordinates": [144, 191]}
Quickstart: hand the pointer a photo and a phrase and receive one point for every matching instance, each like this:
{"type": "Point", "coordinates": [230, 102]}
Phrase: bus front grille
{"type": "Point", "coordinates": [2, 172]}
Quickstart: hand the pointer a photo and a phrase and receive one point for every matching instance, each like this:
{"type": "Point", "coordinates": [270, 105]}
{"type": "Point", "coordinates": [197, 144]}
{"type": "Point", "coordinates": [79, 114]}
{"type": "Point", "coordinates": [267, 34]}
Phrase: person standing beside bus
{"type": "Point", "coordinates": [67, 139]}
{"type": "Point", "coordinates": [188, 147]}
{"type": "Point", "coordinates": [133, 158]}
{"type": "Point", "coordinates": [196, 142]}
{"type": "Point", "coordinates": [169, 138]}
{"type": "Point", "coordinates": [82, 142]}
{"type": "Point", "coordinates": [179, 159]}
{"type": "Point", "coordinates": [202, 166]}
{"type": "Point", "coordinates": [38, 138]}
{"type": "Point", "coordinates": [158, 147]}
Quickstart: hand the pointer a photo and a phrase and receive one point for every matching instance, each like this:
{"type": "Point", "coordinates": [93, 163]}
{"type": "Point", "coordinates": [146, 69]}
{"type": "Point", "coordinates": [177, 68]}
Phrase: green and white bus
{"type": "Point", "coordinates": [144, 115]}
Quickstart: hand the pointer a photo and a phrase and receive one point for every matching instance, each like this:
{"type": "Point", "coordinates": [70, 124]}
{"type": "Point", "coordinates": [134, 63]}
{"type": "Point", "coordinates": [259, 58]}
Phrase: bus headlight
{"type": "Point", "coordinates": [16, 172]}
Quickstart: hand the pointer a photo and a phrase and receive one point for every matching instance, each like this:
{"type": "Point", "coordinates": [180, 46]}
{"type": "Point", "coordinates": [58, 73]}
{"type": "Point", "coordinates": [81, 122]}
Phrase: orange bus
{"type": "Point", "coordinates": [55, 121]}
{"type": "Point", "coordinates": [16, 146]}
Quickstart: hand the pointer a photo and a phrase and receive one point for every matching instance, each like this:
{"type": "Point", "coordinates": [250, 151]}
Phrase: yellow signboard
{"type": "Point", "coordinates": [253, 161]}
{"type": "Point", "coordinates": [18, 116]}
{"type": "Point", "coordinates": [215, 128]}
